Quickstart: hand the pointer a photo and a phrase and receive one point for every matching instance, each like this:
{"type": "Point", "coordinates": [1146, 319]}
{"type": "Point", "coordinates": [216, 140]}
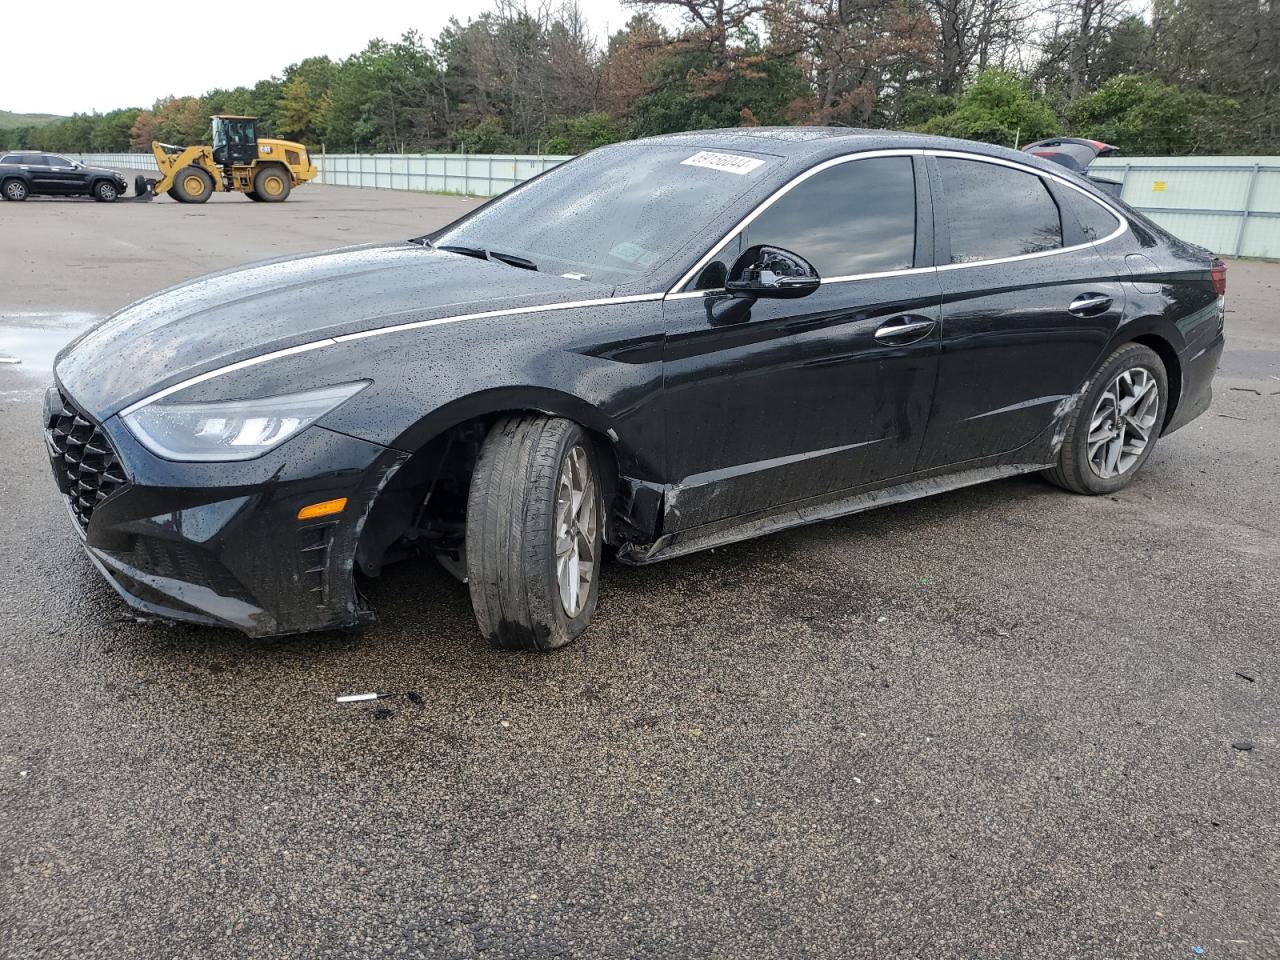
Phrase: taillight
{"type": "Point", "coordinates": [1218, 274]}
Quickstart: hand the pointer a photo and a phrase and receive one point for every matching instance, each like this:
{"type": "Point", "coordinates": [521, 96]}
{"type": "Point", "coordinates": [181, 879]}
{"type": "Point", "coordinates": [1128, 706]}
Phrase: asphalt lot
{"type": "Point", "coordinates": [995, 723]}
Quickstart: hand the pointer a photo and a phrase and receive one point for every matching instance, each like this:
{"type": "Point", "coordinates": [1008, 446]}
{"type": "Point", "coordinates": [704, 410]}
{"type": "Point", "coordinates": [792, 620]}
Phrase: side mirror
{"type": "Point", "coordinates": [765, 271]}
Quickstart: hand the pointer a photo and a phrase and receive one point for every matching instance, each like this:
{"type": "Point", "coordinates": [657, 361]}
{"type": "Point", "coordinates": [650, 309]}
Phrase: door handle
{"type": "Point", "coordinates": [904, 330]}
{"type": "Point", "coordinates": [1089, 303]}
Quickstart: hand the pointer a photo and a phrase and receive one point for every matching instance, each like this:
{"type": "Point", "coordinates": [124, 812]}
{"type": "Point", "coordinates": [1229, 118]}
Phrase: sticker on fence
{"type": "Point", "coordinates": [726, 162]}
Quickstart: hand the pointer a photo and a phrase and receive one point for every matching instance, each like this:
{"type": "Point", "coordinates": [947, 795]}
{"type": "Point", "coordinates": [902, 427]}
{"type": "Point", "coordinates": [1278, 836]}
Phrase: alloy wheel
{"type": "Point", "coordinates": [1123, 422]}
{"type": "Point", "coordinates": [576, 522]}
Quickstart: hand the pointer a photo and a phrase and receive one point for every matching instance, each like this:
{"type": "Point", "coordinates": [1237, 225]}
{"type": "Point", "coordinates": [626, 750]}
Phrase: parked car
{"type": "Point", "coordinates": [24, 173]}
{"type": "Point", "coordinates": [658, 347]}
{"type": "Point", "coordinates": [1076, 153]}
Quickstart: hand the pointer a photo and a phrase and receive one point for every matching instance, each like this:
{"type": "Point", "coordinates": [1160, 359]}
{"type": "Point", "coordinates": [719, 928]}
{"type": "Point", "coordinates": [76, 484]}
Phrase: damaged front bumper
{"type": "Point", "coordinates": [221, 543]}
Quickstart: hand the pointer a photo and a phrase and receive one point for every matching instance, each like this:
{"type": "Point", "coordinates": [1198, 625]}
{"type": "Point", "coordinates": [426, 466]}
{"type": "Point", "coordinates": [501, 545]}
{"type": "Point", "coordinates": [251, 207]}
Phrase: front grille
{"type": "Point", "coordinates": [86, 466]}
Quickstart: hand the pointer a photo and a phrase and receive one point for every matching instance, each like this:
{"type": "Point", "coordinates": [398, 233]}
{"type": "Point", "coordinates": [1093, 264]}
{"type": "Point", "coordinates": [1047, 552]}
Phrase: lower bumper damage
{"type": "Point", "coordinates": [221, 543]}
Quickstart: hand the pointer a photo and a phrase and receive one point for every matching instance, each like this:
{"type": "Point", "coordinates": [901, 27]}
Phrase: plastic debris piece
{"type": "Point", "coordinates": [1197, 950]}
{"type": "Point", "coordinates": [1247, 390]}
{"type": "Point", "coordinates": [1242, 745]}
{"type": "Point", "coordinates": [1227, 416]}
{"type": "Point", "coordinates": [9, 360]}
{"type": "Point", "coordinates": [357, 697]}
{"type": "Point", "coordinates": [882, 619]}
{"type": "Point", "coordinates": [1244, 676]}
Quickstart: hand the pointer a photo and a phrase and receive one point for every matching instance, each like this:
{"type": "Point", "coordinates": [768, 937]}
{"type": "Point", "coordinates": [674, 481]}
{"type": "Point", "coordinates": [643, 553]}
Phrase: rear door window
{"type": "Point", "coordinates": [1095, 219]}
{"type": "Point", "coordinates": [993, 211]}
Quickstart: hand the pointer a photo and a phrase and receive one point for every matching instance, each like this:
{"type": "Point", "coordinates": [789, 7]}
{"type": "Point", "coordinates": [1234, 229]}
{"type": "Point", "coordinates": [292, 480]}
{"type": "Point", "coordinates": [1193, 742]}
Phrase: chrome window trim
{"type": "Point", "coordinates": [1001, 162]}
{"type": "Point", "coordinates": [377, 332]}
{"type": "Point", "coordinates": [675, 293]}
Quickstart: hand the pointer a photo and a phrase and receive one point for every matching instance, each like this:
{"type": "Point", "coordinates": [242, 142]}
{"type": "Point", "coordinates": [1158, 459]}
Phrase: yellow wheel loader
{"type": "Point", "coordinates": [240, 161]}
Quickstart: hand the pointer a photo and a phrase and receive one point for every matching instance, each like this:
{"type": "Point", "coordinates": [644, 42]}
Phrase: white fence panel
{"type": "Point", "coordinates": [475, 174]}
{"type": "Point", "coordinates": [1229, 204]}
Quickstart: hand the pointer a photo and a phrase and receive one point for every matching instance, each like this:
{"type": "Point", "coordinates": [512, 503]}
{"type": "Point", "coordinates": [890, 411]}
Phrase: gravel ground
{"type": "Point", "coordinates": [996, 723]}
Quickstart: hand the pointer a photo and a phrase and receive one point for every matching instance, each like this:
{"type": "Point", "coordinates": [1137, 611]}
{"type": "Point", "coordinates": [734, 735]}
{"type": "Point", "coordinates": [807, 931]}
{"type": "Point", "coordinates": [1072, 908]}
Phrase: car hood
{"type": "Point", "coordinates": [231, 316]}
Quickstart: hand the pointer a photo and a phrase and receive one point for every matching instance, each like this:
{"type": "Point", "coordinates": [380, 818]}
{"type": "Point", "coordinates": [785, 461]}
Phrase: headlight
{"type": "Point", "coordinates": [232, 429]}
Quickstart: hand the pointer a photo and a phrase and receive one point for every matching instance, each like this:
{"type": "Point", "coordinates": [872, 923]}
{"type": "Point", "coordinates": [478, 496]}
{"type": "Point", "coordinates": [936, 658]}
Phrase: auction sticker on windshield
{"type": "Point", "coordinates": [728, 162]}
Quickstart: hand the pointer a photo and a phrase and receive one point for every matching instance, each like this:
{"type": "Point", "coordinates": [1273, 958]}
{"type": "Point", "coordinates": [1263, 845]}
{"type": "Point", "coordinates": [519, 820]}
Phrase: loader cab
{"type": "Point", "coordinates": [235, 140]}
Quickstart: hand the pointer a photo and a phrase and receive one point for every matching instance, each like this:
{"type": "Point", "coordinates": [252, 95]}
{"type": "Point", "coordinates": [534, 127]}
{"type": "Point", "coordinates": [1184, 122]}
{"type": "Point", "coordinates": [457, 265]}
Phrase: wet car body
{"type": "Point", "coordinates": [718, 417]}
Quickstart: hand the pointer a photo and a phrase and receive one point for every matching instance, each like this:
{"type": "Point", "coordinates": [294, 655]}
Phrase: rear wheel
{"type": "Point", "coordinates": [271, 184]}
{"type": "Point", "coordinates": [535, 533]}
{"type": "Point", "coordinates": [105, 191]}
{"type": "Point", "coordinates": [191, 185]}
{"type": "Point", "coordinates": [14, 190]}
{"type": "Point", "coordinates": [1116, 425]}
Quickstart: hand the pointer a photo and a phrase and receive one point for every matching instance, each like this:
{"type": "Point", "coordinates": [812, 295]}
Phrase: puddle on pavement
{"type": "Point", "coordinates": [34, 339]}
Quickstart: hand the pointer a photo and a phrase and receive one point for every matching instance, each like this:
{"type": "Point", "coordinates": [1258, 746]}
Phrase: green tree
{"type": "Point", "coordinates": [998, 108]}
{"type": "Point", "coordinates": [580, 134]}
{"type": "Point", "coordinates": [1142, 115]}
{"type": "Point", "coordinates": [487, 136]}
{"type": "Point", "coordinates": [761, 90]}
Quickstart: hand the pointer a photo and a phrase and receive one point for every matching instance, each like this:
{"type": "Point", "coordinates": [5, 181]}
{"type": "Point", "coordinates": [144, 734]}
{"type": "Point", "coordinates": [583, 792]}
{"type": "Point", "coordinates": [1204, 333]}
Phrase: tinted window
{"type": "Point", "coordinates": [57, 161]}
{"type": "Point", "coordinates": [1094, 219]}
{"type": "Point", "coordinates": [856, 217]}
{"type": "Point", "coordinates": [994, 211]}
{"type": "Point", "coordinates": [10, 158]}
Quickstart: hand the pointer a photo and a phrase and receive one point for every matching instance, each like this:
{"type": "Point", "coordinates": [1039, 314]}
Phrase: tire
{"type": "Point", "coordinates": [104, 191]}
{"type": "Point", "coordinates": [253, 195]}
{"type": "Point", "coordinates": [1110, 462]}
{"type": "Point", "coordinates": [191, 185]}
{"type": "Point", "coordinates": [272, 184]}
{"type": "Point", "coordinates": [14, 190]}
{"type": "Point", "coordinates": [515, 509]}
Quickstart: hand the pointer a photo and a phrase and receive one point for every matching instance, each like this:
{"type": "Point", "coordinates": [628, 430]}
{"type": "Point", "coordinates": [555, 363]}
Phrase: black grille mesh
{"type": "Point", "coordinates": [84, 462]}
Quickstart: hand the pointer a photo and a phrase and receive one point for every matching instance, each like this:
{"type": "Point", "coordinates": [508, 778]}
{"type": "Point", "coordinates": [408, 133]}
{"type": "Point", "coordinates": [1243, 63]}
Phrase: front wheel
{"type": "Point", "coordinates": [271, 184]}
{"type": "Point", "coordinates": [105, 191]}
{"type": "Point", "coordinates": [191, 185]}
{"type": "Point", "coordinates": [535, 532]}
{"type": "Point", "coordinates": [1116, 425]}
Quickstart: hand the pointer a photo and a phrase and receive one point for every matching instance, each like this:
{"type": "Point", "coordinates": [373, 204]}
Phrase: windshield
{"type": "Point", "coordinates": [612, 215]}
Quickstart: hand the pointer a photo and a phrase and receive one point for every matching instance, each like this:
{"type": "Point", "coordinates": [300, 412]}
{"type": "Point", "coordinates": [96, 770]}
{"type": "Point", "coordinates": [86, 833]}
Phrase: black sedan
{"type": "Point", "coordinates": [25, 174]}
{"type": "Point", "coordinates": [658, 347]}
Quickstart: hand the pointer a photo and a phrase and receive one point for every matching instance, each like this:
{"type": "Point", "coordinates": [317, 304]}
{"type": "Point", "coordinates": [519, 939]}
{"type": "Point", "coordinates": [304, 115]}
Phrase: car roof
{"type": "Point", "coordinates": [802, 147]}
{"type": "Point", "coordinates": [822, 142]}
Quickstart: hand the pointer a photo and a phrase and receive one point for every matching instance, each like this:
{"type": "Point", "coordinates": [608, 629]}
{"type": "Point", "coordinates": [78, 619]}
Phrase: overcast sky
{"type": "Point", "coordinates": [81, 55]}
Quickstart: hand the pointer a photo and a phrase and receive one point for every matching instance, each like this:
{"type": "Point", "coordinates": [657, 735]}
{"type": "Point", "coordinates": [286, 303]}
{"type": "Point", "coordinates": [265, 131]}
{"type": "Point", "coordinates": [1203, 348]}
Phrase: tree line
{"type": "Point", "coordinates": [1192, 76]}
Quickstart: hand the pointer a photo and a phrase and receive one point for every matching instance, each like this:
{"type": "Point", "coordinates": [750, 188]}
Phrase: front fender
{"type": "Point", "coordinates": [600, 365]}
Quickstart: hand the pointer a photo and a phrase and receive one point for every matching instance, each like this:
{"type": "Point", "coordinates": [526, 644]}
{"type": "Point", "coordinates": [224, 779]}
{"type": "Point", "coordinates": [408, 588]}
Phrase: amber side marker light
{"type": "Point", "coordinates": [325, 508]}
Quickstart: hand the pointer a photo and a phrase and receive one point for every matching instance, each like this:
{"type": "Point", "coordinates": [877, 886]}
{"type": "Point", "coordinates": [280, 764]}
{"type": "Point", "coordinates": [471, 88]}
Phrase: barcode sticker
{"type": "Point", "coordinates": [727, 162]}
